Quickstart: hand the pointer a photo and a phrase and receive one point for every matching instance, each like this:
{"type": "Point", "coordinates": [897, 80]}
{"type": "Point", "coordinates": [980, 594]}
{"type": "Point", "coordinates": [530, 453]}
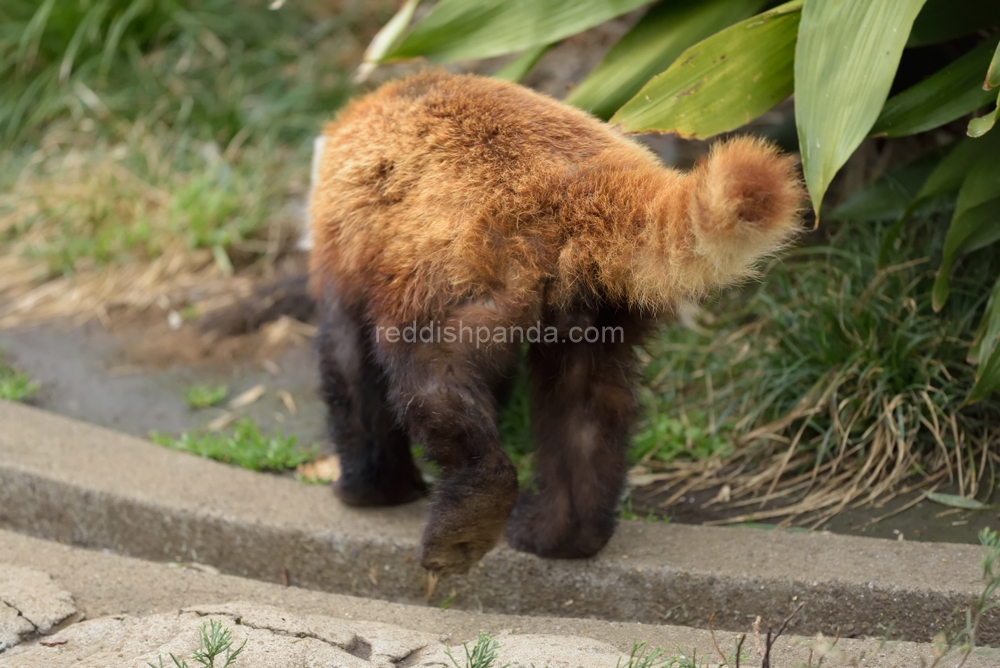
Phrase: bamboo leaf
{"type": "Point", "coordinates": [516, 69]}
{"type": "Point", "coordinates": [993, 73]}
{"type": "Point", "coordinates": [944, 20]}
{"type": "Point", "coordinates": [956, 501]}
{"type": "Point", "coordinates": [948, 175]}
{"type": "Point", "coordinates": [978, 201]}
{"type": "Point", "coordinates": [666, 30]}
{"type": "Point", "coordinates": [888, 196]}
{"type": "Point", "coordinates": [385, 39]}
{"type": "Point", "coordinates": [980, 126]}
{"type": "Point", "coordinates": [722, 82]}
{"type": "Point", "coordinates": [845, 60]}
{"type": "Point", "coordinates": [460, 29]}
{"type": "Point", "coordinates": [986, 349]}
{"type": "Point", "coordinates": [949, 93]}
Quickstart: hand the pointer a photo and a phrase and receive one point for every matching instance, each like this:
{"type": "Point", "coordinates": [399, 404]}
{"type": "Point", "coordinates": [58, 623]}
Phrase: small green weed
{"type": "Point", "coordinates": [204, 396]}
{"type": "Point", "coordinates": [15, 385]}
{"type": "Point", "coordinates": [665, 438]}
{"type": "Point", "coordinates": [244, 445]}
{"type": "Point", "coordinates": [216, 642]}
{"type": "Point", "coordinates": [642, 656]}
{"type": "Point", "coordinates": [482, 655]}
{"type": "Point", "coordinates": [626, 513]}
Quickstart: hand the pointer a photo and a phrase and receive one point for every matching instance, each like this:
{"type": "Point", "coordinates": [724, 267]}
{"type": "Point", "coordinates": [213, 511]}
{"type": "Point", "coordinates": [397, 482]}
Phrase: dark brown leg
{"type": "Point", "coordinates": [443, 394]}
{"type": "Point", "coordinates": [583, 410]}
{"type": "Point", "coordinates": [377, 468]}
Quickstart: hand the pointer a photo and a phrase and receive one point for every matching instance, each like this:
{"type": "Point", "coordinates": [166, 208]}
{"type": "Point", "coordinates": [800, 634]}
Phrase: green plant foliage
{"type": "Point", "coordinates": [664, 438]}
{"type": "Point", "coordinates": [458, 29]}
{"type": "Point", "coordinates": [845, 60]}
{"type": "Point", "coordinates": [943, 20]}
{"type": "Point", "coordinates": [980, 126]}
{"type": "Point", "coordinates": [482, 655]}
{"type": "Point", "coordinates": [203, 396]}
{"type": "Point", "coordinates": [208, 68]}
{"type": "Point", "coordinates": [889, 196]}
{"type": "Point", "coordinates": [666, 30]}
{"type": "Point", "coordinates": [516, 69]}
{"type": "Point", "coordinates": [15, 385]}
{"type": "Point", "coordinates": [986, 350]}
{"type": "Point", "coordinates": [722, 82]}
{"type": "Point", "coordinates": [835, 339]}
{"type": "Point", "coordinates": [514, 425]}
{"type": "Point", "coordinates": [215, 642]}
{"type": "Point", "coordinates": [387, 38]}
{"type": "Point", "coordinates": [947, 94]}
{"type": "Point", "coordinates": [243, 445]}
{"type": "Point", "coordinates": [977, 205]}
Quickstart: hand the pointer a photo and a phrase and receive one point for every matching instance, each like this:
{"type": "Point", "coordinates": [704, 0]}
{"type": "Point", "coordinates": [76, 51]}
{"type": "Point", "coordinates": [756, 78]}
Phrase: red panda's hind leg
{"type": "Point", "coordinates": [443, 393]}
{"type": "Point", "coordinates": [583, 412]}
{"type": "Point", "coordinates": [376, 466]}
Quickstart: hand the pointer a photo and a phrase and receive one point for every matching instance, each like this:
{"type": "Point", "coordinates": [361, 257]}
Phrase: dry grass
{"type": "Point", "coordinates": [89, 228]}
{"type": "Point", "coordinates": [836, 383]}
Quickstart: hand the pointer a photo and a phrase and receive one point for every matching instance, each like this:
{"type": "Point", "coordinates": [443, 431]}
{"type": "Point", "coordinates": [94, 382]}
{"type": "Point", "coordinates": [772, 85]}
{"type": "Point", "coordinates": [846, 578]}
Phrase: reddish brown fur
{"type": "Point", "coordinates": [445, 198]}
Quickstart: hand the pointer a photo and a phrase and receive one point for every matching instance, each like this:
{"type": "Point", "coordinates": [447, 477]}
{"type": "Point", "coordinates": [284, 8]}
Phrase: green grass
{"type": "Point", "coordinates": [131, 129]}
{"type": "Point", "coordinates": [828, 364]}
{"type": "Point", "coordinates": [244, 445]}
{"type": "Point", "coordinates": [15, 385]}
{"type": "Point", "coordinates": [204, 396]}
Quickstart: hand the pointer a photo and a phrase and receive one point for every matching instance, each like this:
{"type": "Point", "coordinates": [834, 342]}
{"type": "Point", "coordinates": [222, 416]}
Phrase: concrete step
{"type": "Point", "coordinates": [125, 611]}
{"type": "Point", "coordinates": [67, 481]}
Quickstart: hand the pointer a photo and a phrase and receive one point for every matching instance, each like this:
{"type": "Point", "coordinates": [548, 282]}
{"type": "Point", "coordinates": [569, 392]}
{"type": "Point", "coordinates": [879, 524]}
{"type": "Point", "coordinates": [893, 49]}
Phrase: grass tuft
{"type": "Point", "coordinates": [834, 380]}
{"type": "Point", "coordinates": [204, 396]}
{"type": "Point", "coordinates": [15, 385]}
{"type": "Point", "coordinates": [243, 445]}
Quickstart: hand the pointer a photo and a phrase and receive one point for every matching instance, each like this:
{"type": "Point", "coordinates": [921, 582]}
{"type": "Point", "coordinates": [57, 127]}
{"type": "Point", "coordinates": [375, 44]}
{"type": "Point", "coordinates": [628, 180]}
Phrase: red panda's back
{"type": "Point", "coordinates": [441, 188]}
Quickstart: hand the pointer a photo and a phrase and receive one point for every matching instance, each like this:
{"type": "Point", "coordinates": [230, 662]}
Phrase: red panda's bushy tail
{"type": "Point", "coordinates": [746, 204]}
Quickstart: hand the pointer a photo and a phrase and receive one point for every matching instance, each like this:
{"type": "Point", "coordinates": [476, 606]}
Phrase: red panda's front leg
{"type": "Point", "coordinates": [376, 466]}
{"type": "Point", "coordinates": [442, 392]}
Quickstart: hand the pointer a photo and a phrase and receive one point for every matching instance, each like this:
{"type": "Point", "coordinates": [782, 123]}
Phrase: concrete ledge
{"type": "Point", "coordinates": [67, 481]}
{"type": "Point", "coordinates": [116, 591]}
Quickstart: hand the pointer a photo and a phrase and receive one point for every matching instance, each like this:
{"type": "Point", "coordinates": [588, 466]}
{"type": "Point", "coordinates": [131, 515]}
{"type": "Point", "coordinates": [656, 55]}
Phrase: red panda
{"type": "Point", "coordinates": [462, 205]}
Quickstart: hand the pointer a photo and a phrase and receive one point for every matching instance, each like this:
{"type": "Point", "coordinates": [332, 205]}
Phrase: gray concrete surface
{"type": "Point", "coordinates": [137, 611]}
{"type": "Point", "coordinates": [30, 603]}
{"type": "Point", "coordinates": [68, 481]}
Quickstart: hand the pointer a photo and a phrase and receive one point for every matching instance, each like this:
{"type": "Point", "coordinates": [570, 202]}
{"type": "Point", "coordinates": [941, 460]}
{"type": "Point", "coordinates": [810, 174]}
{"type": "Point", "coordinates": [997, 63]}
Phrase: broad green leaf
{"type": "Point", "coordinates": [986, 349]}
{"type": "Point", "coordinates": [988, 332]}
{"type": "Point", "coordinates": [516, 69]}
{"type": "Point", "coordinates": [993, 73]}
{"type": "Point", "coordinates": [940, 187]}
{"type": "Point", "coordinates": [845, 60]}
{"type": "Point", "coordinates": [463, 29]}
{"type": "Point", "coordinates": [385, 39]}
{"type": "Point", "coordinates": [980, 126]}
{"type": "Point", "coordinates": [666, 30]}
{"type": "Point", "coordinates": [888, 196]}
{"type": "Point", "coordinates": [947, 94]}
{"type": "Point", "coordinates": [943, 20]}
{"type": "Point", "coordinates": [948, 176]}
{"type": "Point", "coordinates": [956, 501]}
{"type": "Point", "coordinates": [978, 200]}
{"type": "Point", "coordinates": [722, 82]}
{"type": "Point", "coordinates": [984, 225]}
